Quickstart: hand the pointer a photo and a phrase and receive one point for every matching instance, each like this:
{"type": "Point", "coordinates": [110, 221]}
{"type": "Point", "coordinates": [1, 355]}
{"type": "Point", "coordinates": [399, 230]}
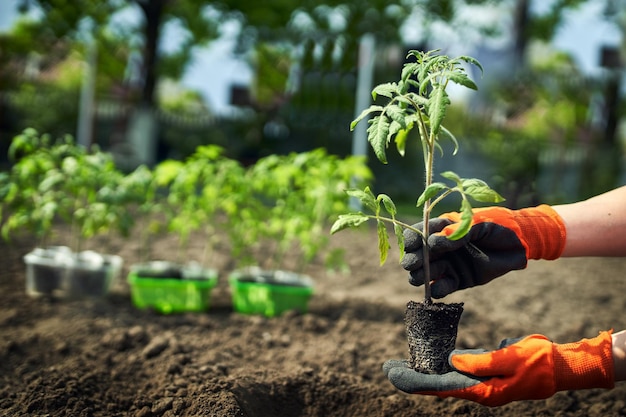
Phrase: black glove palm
{"type": "Point", "coordinates": [488, 251]}
{"type": "Point", "coordinates": [500, 240]}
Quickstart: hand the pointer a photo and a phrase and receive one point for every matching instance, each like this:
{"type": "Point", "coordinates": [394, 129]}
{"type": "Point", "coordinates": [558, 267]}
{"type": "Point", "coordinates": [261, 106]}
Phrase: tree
{"type": "Point", "coordinates": [95, 19]}
{"type": "Point", "coordinates": [193, 18]}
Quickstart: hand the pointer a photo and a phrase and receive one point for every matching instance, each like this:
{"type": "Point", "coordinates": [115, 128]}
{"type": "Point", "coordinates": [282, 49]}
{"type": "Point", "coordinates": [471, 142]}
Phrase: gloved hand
{"type": "Point", "coordinates": [530, 368]}
{"type": "Point", "coordinates": [500, 240]}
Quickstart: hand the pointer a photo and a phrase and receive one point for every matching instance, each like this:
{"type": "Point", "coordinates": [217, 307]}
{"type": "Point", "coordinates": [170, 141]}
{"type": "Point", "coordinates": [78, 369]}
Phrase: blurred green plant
{"type": "Point", "coordinates": [274, 209]}
{"type": "Point", "coordinates": [291, 200]}
{"type": "Point", "coordinates": [60, 181]}
{"type": "Point", "coordinates": [544, 107]}
{"type": "Point", "coordinates": [205, 196]}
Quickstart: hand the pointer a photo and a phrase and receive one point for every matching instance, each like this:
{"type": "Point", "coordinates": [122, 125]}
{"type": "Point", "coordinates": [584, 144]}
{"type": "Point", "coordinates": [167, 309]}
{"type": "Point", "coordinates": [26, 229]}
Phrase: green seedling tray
{"type": "Point", "coordinates": [171, 295]}
{"type": "Point", "coordinates": [268, 299]}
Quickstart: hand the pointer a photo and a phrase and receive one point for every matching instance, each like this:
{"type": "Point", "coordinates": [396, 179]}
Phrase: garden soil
{"type": "Point", "coordinates": [106, 358]}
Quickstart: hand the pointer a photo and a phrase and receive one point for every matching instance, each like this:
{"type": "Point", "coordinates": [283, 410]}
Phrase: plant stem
{"type": "Point", "coordinates": [428, 165]}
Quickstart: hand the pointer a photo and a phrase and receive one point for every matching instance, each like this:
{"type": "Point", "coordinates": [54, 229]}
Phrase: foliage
{"type": "Point", "coordinates": [197, 22]}
{"type": "Point", "coordinates": [62, 20]}
{"type": "Point", "coordinates": [272, 68]}
{"type": "Point", "coordinates": [545, 106]}
{"type": "Point", "coordinates": [140, 195]}
{"type": "Point", "coordinates": [292, 198]}
{"type": "Point", "coordinates": [275, 208]}
{"type": "Point", "coordinates": [57, 180]}
{"type": "Point", "coordinates": [206, 192]}
{"type": "Point", "coordinates": [51, 104]}
{"type": "Point", "coordinates": [419, 100]}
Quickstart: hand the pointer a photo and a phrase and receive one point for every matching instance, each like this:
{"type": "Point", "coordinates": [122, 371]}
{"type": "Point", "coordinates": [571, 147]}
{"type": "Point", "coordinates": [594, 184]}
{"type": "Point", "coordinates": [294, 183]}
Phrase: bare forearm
{"type": "Point", "coordinates": [597, 226]}
{"type": "Point", "coordinates": [619, 355]}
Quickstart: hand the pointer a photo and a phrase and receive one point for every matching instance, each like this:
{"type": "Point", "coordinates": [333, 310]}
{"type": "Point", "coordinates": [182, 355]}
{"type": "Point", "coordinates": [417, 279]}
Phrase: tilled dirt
{"type": "Point", "coordinates": [106, 358]}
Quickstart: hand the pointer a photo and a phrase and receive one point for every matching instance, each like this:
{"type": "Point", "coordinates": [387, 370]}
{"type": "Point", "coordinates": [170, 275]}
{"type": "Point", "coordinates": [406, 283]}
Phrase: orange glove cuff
{"type": "Point", "coordinates": [543, 232]}
{"type": "Point", "coordinates": [585, 364]}
{"type": "Point", "coordinates": [540, 229]}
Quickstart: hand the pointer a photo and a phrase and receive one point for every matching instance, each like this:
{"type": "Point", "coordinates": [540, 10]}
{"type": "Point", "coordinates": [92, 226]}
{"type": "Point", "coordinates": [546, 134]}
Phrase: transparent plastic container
{"type": "Point", "coordinates": [91, 275]}
{"type": "Point", "coordinates": [46, 270]}
{"type": "Point", "coordinates": [59, 272]}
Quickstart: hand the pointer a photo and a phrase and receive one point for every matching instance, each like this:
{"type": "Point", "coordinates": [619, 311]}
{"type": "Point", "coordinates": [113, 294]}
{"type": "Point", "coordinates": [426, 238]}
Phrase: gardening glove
{"type": "Point", "coordinates": [529, 368]}
{"type": "Point", "coordinates": [500, 240]}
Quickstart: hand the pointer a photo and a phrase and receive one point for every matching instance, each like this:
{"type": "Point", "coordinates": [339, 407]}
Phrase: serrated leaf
{"type": "Point", "coordinates": [437, 104]}
{"type": "Point", "coordinates": [396, 114]}
{"type": "Point", "coordinates": [377, 137]}
{"type": "Point", "coordinates": [466, 221]}
{"type": "Point", "coordinates": [383, 241]}
{"type": "Point", "coordinates": [472, 61]}
{"type": "Point", "coordinates": [424, 70]}
{"type": "Point", "coordinates": [461, 79]}
{"type": "Point", "coordinates": [385, 90]}
{"type": "Point", "coordinates": [365, 113]}
{"type": "Point", "coordinates": [348, 220]}
{"type": "Point", "coordinates": [364, 196]}
{"type": "Point", "coordinates": [409, 69]}
{"type": "Point", "coordinates": [389, 204]}
{"type": "Point", "coordinates": [430, 192]}
{"type": "Point", "coordinates": [480, 191]}
{"type": "Point", "coordinates": [417, 99]}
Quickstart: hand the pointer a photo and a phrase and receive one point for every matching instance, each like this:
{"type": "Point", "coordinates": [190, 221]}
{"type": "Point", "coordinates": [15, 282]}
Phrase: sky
{"type": "Point", "coordinates": [214, 68]}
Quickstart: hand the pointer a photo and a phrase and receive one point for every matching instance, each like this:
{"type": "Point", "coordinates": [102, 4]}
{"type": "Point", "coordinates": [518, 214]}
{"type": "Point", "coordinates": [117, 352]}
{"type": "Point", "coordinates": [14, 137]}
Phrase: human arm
{"type": "Point", "coordinates": [528, 368]}
{"type": "Point", "coordinates": [502, 240]}
{"type": "Point", "coordinates": [619, 355]}
{"type": "Point", "coordinates": [597, 226]}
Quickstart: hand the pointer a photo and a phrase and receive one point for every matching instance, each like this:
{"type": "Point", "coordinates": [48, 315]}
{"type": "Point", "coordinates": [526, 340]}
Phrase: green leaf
{"type": "Point", "coordinates": [437, 108]}
{"type": "Point", "coordinates": [417, 99]}
{"type": "Point", "coordinates": [480, 191]}
{"type": "Point", "coordinates": [439, 148]}
{"type": "Point", "coordinates": [389, 204]}
{"type": "Point", "coordinates": [164, 173]}
{"type": "Point", "coordinates": [394, 128]}
{"type": "Point", "coordinates": [365, 113]}
{"type": "Point", "coordinates": [472, 61]}
{"type": "Point", "coordinates": [383, 241]}
{"type": "Point", "coordinates": [466, 221]}
{"type": "Point", "coordinates": [364, 196]}
{"type": "Point", "coordinates": [397, 114]}
{"type": "Point", "coordinates": [452, 138]}
{"type": "Point", "coordinates": [449, 175]}
{"type": "Point", "coordinates": [431, 191]}
{"type": "Point", "coordinates": [458, 76]}
{"type": "Point", "coordinates": [401, 141]}
{"type": "Point", "coordinates": [377, 136]}
{"type": "Point", "coordinates": [385, 90]}
{"type": "Point", "coordinates": [398, 230]}
{"type": "Point", "coordinates": [348, 220]}
{"type": "Point", "coordinates": [409, 69]}
{"type": "Point", "coordinates": [422, 75]}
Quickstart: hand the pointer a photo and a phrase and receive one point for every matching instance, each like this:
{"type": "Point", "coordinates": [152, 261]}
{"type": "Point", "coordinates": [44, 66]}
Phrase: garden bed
{"type": "Point", "coordinates": [107, 358]}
